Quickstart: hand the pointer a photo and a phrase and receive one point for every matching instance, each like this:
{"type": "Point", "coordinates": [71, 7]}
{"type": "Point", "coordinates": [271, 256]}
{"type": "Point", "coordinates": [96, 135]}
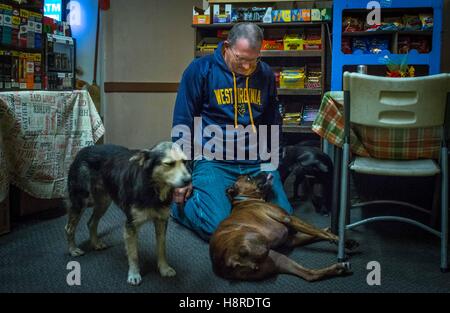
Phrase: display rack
{"type": "Point", "coordinates": [428, 63]}
{"type": "Point", "coordinates": [293, 100]}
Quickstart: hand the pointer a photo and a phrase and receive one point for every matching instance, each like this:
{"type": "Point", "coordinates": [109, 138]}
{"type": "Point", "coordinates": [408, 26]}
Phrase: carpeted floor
{"type": "Point", "coordinates": [33, 258]}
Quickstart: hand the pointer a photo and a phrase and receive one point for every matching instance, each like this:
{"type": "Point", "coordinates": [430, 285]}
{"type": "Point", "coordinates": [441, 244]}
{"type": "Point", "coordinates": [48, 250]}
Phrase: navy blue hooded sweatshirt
{"type": "Point", "coordinates": [209, 90]}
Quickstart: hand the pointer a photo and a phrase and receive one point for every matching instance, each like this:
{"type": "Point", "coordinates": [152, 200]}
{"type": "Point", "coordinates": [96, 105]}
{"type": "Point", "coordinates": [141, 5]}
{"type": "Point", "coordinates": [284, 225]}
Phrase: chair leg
{"type": "Point", "coordinates": [344, 202]}
{"type": "Point", "coordinates": [336, 189]}
{"type": "Point", "coordinates": [435, 208]}
{"type": "Point", "coordinates": [444, 210]}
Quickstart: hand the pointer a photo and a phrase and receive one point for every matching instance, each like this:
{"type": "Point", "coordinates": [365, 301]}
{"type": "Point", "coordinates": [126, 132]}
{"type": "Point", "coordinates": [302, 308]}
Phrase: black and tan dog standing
{"type": "Point", "coordinates": [140, 182]}
{"type": "Point", "coordinates": [243, 246]}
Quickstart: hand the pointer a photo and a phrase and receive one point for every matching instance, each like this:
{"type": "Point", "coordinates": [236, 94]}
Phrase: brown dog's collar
{"type": "Point", "coordinates": [243, 198]}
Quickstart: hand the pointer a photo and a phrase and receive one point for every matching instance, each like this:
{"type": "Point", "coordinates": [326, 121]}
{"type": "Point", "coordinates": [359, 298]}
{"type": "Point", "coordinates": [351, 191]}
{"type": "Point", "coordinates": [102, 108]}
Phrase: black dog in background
{"type": "Point", "coordinates": [313, 171]}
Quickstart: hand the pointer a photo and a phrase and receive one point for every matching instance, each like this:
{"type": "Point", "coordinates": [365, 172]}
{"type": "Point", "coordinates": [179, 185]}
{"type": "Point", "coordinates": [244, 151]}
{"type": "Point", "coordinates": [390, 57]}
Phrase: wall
{"type": "Point", "coordinates": [84, 35]}
{"type": "Point", "coordinates": [144, 41]}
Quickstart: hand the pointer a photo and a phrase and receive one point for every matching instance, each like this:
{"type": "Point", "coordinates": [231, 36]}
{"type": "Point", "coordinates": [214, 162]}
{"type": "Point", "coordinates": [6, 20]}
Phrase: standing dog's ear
{"type": "Point", "coordinates": [231, 192]}
{"type": "Point", "coordinates": [143, 158]}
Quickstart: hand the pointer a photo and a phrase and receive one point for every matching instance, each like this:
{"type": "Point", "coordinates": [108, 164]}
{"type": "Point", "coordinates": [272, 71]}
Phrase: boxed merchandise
{"type": "Point", "coordinates": [427, 21]}
{"type": "Point", "coordinates": [292, 78]}
{"type": "Point", "coordinates": [313, 80]}
{"type": "Point", "coordinates": [310, 113]}
{"type": "Point", "coordinates": [313, 40]}
{"type": "Point", "coordinates": [200, 16]}
{"type": "Point", "coordinates": [7, 68]}
{"type": "Point", "coordinates": [7, 24]}
{"type": "Point", "coordinates": [316, 15]}
{"type": "Point", "coordinates": [301, 15]}
{"type": "Point", "coordinates": [15, 28]}
{"type": "Point", "coordinates": [221, 13]}
{"type": "Point", "coordinates": [254, 14]}
{"type": "Point", "coordinates": [326, 14]}
{"type": "Point", "coordinates": [272, 44]}
{"type": "Point", "coordinates": [292, 118]}
{"type": "Point", "coordinates": [293, 42]}
{"type": "Point", "coordinates": [281, 16]}
{"type": "Point", "coordinates": [208, 44]}
{"type": "Point", "coordinates": [23, 28]}
{"type": "Point", "coordinates": [352, 24]}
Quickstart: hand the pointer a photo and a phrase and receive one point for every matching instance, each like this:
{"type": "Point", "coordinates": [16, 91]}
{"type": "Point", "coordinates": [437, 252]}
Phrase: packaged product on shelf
{"type": "Point", "coordinates": [301, 15]}
{"type": "Point", "coordinates": [377, 45]}
{"type": "Point", "coordinates": [310, 113]}
{"type": "Point", "coordinates": [6, 38]}
{"type": "Point", "coordinates": [292, 118]}
{"type": "Point", "coordinates": [223, 33]}
{"type": "Point", "coordinates": [326, 14]}
{"type": "Point", "coordinates": [37, 31]}
{"type": "Point", "coordinates": [427, 21]}
{"type": "Point", "coordinates": [313, 40]}
{"type": "Point", "coordinates": [314, 76]}
{"type": "Point", "coordinates": [208, 44]}
{"type": "Point", "coordinates": [352, 24]}
{"type": "Point", "coordinates": [272, 44]}
{"type": "Point", "coordinates": [254, 14]}
{"type": "Point", "coordinates": [23, 28]}
{"type": "Point", "coordinates": [346, 45]}
{"type": "Point", "coordinates": [15, 69]}
{"type": "Point", "coordinates": [412, 22]}
{"type": "Point", "coordinates": [293, 78]}
{"type": "Point", "coordinates": [37, 58]}
{"type": "Point", "coordinates": [292, 42]}
{"type": "Point", "coordinates": [392, 23]}
{"type": "Point", "coordinates": [315, 15]}
{"type": "Point", "coordinates": [15, 28]}
{"type": "Point", "coordinates": [360, 43]}
{"type": "Point", "coordinates": [419, 43]}
{"type": "Point", "coordinates": [201, 16]}
{"type": "Point", "coordinates": [404, 43]}
{"type": "Point", "coordinates": [222, 13]}
{"type": "Point", "coordinates": [7, 68]}
{"type": "Point", "coordinates": [281, 16]}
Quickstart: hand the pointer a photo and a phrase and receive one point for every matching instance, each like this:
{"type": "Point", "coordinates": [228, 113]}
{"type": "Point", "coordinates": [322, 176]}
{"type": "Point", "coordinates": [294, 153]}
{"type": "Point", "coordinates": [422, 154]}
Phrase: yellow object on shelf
{"type": "Point", "coordinates": [293, 42]}
{"type": "Point", "coordinates": [292, 79]}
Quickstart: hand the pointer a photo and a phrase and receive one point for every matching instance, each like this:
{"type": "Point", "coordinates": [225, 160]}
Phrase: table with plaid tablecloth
{"type": "Point", "coordinates": [40, 134]}
{"type": "Point", "coordinates": [382, 143]}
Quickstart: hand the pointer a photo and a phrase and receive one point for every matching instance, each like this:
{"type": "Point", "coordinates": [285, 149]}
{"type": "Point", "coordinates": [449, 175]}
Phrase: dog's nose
{"type": "Point", "coordinates": [187, 180]}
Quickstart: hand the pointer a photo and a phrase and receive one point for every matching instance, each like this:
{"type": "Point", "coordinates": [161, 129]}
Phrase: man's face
{"type": "Point", "coordinates": [242, 58]}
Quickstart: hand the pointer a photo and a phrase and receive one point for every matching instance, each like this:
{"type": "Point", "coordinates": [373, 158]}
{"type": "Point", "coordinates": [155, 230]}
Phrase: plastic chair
{"type": "Point", "coordinates": [395, 103]}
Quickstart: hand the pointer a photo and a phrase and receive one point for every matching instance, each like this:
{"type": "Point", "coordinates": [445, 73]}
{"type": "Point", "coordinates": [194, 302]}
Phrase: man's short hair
{"type": "Point", "coordinates": [250, 31]}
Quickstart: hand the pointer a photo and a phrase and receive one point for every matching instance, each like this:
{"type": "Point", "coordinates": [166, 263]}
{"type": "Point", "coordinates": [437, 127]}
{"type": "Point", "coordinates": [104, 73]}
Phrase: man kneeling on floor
{"type": "Point", "coordinates": [232, 95]}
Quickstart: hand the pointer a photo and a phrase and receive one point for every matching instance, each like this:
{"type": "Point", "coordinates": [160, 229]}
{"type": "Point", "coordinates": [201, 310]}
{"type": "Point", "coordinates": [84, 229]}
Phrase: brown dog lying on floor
{"type": "Point", "coordinates": [242, 247]}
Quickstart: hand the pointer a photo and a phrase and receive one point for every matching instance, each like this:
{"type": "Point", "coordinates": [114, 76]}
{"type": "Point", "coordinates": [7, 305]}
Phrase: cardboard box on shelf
{"type": "Point", "coordinates": [281, 16]}
{"type": "Point", "coordinates": [221, 13]}
{"type": "Point", "coordinates": [316, 15]}
{"type": "Point", "coordinates": [326, 14]}
{"type": "Point", "coordinates": [292, 78]}
{"type": "Point", "coordinates": [293, 42]}
{"type": "Point", "coordinates": [201, 16]}
{"type": "Point", "coordinates": [272, 44]}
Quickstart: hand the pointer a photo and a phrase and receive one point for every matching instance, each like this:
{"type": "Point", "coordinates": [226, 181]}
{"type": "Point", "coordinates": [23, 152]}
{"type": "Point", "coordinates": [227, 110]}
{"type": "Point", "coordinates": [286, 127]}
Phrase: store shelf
{"type": "Point", "coordinates": [29, 50]}
{"type": "Point", "coordinates": [277, 54]}
{"type": "Point", "coordinates": [302, 129]}
{"type": "Point", "coordinates": [292, 24]}
{"type": "Point", "coordinates": [299, 92]}
{"type": "Point", "coordinates": [388, 33]}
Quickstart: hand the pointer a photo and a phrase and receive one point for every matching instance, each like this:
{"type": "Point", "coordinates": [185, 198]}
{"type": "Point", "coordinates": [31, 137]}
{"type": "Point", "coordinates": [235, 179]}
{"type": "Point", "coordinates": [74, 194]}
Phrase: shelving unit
{"type": "Point", "coordinates": [293, 99]}
{"type": "Point", "coordinates": [427, 63]}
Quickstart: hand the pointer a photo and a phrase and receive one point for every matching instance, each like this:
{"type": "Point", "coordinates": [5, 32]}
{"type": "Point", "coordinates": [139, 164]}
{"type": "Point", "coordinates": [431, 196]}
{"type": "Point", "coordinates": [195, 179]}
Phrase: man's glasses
{"type": "Point", "coordinates": [240, 60]}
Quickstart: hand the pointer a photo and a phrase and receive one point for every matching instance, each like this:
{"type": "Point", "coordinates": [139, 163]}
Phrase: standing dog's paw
{"type": "Point", "coordinates": [134, 278]}
{"type": "Point", "coordinates": [167, 271]}
{"type": "Point", "coordinates": [344, 268]}
{"type": "Point", "coordinates": [76, 252]}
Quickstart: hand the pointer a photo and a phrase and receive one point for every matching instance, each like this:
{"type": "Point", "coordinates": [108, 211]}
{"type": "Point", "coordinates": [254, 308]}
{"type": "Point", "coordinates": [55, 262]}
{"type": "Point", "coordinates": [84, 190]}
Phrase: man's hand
{"type": "Point", "coordinates": [180, 195]}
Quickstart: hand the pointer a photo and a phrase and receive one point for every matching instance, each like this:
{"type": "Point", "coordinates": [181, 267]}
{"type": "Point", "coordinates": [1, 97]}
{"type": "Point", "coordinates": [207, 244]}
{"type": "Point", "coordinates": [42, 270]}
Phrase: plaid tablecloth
{"type": "Point", "coordinates": [382, 143]}
{"type": "Point", "coordinates": [40, 134]}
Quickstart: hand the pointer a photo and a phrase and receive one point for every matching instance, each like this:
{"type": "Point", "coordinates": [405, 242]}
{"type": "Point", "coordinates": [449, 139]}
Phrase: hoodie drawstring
{"type": "Point", "coordinates": [249, 106]}
{"type": "Point", "coordinates": [235, 101]}
{"type": "Point", "coordinates": [248, 103]}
